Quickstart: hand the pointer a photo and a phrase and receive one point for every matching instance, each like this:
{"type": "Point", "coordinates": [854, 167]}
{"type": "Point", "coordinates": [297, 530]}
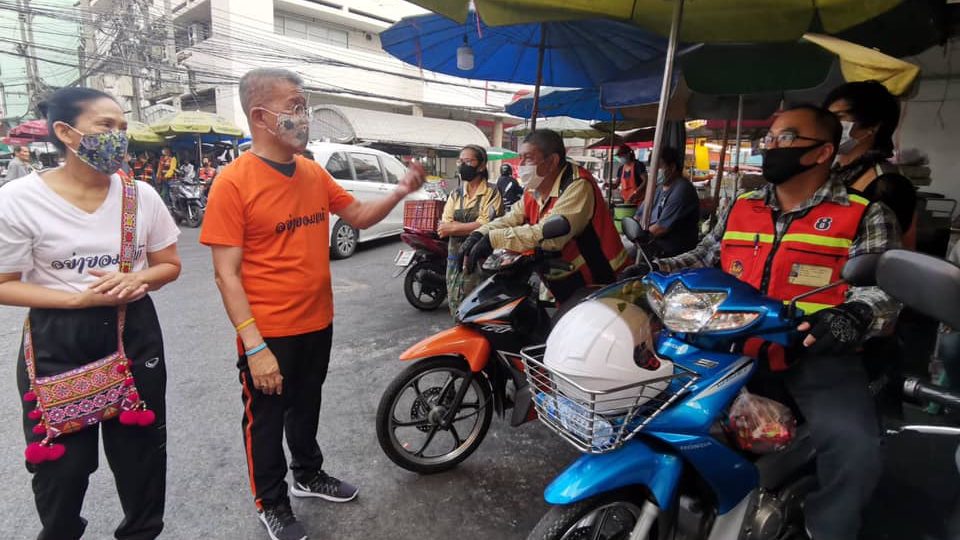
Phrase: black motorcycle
{"type": "Point", "coordinates": [425, 285]}
{"type": "Point", "coordinates": [187, 203]}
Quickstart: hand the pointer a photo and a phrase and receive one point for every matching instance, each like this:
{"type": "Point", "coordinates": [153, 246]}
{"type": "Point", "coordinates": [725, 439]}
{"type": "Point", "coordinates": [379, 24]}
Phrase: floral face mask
{"type": "Point", "coordinates": [102, 151]}
{"type": "Point", "coordinates": [293, 127]}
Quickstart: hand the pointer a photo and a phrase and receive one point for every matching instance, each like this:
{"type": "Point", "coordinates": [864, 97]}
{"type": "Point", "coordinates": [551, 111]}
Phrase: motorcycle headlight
{"type": "Point", "coordinates": [684, 310]}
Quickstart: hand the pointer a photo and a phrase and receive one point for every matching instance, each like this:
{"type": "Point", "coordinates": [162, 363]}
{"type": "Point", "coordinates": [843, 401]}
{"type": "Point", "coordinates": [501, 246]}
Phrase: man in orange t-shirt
{"type": "Point", "coordinates": [267, 223]}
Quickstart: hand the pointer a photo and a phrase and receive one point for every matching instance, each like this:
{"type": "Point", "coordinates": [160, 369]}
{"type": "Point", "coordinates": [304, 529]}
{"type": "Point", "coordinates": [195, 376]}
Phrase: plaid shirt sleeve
{"type": "Point", "coordinates": [705, 255]}
{"type": "Point", "coordinates": [878, 233]}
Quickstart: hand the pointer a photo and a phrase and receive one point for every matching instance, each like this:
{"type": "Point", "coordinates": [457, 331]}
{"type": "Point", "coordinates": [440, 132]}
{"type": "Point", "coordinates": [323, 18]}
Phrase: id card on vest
{"type": "Point", "coordinates": [810, 275]}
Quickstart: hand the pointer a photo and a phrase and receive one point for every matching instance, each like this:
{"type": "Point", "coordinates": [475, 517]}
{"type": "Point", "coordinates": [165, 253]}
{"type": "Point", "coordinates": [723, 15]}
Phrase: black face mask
{"type": "Point", "coordinates": [782, 164]}
{"type": "Point", "coordinates": [467, 172]}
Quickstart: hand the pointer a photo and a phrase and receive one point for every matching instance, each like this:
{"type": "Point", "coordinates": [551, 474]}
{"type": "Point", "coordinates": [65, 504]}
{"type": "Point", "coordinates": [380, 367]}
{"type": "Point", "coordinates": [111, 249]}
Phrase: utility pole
{"type": "Point", "coordinates": [137, 99]}
{"type": "Point", "coordinates": [136, 83]}
{"type": "Point", "coordinates": [3, 101]}
{"type": "Point", "coordinates": [29, 56]}
{"type": "Point", "coordinates": [87, 42]}
{"type": "Point", "coordinates": [171, 46]}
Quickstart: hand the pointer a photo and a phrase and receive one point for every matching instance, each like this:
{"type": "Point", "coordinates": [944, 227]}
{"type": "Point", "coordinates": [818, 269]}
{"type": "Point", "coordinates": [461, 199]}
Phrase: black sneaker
{"type": "Point", "coordinates": [326, 487]}
{"type": "Point", "coordinates": [281, 524]}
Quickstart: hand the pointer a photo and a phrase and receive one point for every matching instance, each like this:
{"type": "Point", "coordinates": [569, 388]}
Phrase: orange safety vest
{"type": "Point", "coordinates": [596, 254]}
{"type": "Point", "coordinates": [810, 254]}
{"type": "Point", "coordinates": [628, 180]}
{"type": "Point", "coordinates": [163, 165]}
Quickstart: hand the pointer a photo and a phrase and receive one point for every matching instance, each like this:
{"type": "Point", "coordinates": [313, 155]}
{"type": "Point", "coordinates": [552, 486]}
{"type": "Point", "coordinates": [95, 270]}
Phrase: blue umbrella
{"type": "Point", "coordinates": [577, 54]}
{"type": "Point", "coordinates": [582, 104]}
{"type": "Point", "coordinates": [640, 87]}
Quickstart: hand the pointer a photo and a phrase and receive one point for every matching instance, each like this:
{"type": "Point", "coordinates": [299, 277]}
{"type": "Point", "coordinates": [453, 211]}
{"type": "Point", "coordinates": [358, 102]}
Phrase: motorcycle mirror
{"type": "Point", "coordinates": [861, 271]}
{"type": "Point", "coordinates": [555, 227]}
{"type": "Point", "coordinates": [631, 228]}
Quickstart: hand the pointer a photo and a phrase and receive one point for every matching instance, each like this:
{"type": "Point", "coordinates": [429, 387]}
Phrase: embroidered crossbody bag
{"type": "Point", "coordinates": [98, 391]}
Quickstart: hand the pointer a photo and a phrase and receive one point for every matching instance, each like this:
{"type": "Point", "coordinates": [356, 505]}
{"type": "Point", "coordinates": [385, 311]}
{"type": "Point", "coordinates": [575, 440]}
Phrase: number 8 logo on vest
{"type": "Point", "coordinates": [823, 224]}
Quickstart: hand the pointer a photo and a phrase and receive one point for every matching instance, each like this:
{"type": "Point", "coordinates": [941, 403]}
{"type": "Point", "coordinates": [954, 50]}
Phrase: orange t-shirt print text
{"type": "Point", "coordinates": [283, 226]}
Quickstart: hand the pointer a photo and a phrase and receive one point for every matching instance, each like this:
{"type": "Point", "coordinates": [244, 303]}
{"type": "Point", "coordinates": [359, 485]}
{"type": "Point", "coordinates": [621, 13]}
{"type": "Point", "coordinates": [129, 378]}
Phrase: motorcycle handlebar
{"type": "Point", "coordinates": [917, 389]}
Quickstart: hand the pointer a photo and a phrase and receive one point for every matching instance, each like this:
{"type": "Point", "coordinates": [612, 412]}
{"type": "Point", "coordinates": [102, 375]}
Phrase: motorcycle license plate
{"type": "Point", "coordinates": [403, 258]}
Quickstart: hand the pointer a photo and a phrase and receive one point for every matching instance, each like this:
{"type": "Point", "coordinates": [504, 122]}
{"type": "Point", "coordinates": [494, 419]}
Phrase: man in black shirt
{"type": "Point", "coordinates": [510, 190]}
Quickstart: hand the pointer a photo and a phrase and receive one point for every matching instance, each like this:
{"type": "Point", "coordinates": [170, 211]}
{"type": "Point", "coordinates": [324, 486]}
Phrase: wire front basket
{"type": "Point", "coordinates": [599, 421]}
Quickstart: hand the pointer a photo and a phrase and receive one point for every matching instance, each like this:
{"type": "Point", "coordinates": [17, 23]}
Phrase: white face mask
{"type": "Point", "coordinates": [847, 141]}
{"type": "Point", "coordinates": [529, 178]}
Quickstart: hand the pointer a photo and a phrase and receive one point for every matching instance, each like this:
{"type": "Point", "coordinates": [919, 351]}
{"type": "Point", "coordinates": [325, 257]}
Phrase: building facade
{"type": "Point", "coordinates": [196, 50]}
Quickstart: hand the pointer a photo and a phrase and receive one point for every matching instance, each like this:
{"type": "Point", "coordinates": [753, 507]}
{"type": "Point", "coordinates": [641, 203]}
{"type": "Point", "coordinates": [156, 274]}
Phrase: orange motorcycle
{"type": "Point", "coordinates": [437, 411]}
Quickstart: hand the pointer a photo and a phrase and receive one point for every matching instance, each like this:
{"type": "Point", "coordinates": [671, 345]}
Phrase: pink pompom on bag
{"type": "Point", "coordinates": [101, 390]}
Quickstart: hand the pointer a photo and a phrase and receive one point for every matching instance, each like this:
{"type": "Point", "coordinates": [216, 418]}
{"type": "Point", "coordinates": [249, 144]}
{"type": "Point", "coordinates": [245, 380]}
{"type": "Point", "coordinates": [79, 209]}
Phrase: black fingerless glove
{"type": "Point", "coordinates": [481, 250]}
{"type": "Point", "coordinates": [466, 246]}
{"type": "Point", "coordinates": [840, 329]}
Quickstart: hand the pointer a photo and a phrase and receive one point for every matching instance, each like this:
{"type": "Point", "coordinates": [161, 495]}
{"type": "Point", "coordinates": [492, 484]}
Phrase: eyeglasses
{"type": "Point", "coordinates": [471, 162]}
{"type": "Point", "coordinates": [302, 110]}
{"type": "Point", "coordinates": [297, 110]}
{"type": "Point", "coordinates": [785, 139]}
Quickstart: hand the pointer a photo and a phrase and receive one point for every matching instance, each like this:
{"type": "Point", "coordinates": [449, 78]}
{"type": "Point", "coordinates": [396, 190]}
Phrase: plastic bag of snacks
{"type": "Point", "coordinates": [760, 425]}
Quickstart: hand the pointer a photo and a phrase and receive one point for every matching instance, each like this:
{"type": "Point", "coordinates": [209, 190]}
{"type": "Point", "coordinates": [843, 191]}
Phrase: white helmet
{"type": "Point", "coordinates": [604, 344]}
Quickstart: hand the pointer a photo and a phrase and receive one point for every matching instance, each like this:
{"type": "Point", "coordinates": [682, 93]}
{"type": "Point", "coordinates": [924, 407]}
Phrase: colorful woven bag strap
{"type": "Point", "coordinates": [128, 243]}
{"type": "Point", "coordinates": [128, 249]}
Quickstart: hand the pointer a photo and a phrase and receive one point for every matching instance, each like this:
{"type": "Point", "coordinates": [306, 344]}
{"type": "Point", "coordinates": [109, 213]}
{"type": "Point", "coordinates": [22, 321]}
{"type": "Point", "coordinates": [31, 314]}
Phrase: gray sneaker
{"type": "Point", "coordinates": [326, 487]}
{"type": "Point", "coordinates": [281, 524]}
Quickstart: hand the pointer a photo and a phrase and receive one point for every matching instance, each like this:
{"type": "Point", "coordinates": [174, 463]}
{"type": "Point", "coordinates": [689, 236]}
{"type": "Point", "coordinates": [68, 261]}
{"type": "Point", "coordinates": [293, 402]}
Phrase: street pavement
{"type": "Point", "coordinates": [495, 494]}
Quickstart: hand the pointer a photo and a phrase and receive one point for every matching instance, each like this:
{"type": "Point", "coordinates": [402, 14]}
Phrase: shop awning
{"type": "Point", "coordinates": [348, 125]}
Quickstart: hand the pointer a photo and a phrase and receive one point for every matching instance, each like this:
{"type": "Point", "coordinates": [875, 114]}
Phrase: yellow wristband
{"type": "Point", "coordinates": [245, 324]}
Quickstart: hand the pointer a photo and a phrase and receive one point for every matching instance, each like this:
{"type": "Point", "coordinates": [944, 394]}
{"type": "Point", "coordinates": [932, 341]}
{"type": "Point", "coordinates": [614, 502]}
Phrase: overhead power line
{"type": "Point", "coordinates": [141, 35]}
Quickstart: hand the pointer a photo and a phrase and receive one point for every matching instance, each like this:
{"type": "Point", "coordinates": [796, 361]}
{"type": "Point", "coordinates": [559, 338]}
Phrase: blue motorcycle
{"type": "Point", "coordinates": [655, 467]}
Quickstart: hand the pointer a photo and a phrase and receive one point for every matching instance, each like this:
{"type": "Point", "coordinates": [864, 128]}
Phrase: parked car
{"type": "Point", "coordinates": [368, 174]}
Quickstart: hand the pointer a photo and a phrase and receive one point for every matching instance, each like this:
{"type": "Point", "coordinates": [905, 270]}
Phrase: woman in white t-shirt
{"type": "Point", "coordinates": [60, 237]}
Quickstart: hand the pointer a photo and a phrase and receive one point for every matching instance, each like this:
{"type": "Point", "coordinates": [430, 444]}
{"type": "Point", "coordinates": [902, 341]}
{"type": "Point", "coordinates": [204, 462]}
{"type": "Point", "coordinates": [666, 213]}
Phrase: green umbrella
{"type": "Point", "coordinates": [496, 153]}
{"type": "Point", "coordinates": [196, 123]}
{"type": "Point", "coordinates": [138, 132]}
{"type": "Point", "coordinates": [712, 21]}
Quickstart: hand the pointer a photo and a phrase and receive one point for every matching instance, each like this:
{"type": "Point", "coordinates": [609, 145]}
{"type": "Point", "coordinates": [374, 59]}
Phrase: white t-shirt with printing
{"type": "Point", "coordinates": [55, 244]}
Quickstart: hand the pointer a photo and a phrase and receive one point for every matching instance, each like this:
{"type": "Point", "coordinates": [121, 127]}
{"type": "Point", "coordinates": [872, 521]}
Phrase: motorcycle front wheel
{"type": "Point", "coordinates": [421, 294]}
{"type": "Point", "coordinates": [608, 516]}
{"type": "Point", "coordinates": [194, 215]}
{"type": "Point", "coordinates": [409, 426]}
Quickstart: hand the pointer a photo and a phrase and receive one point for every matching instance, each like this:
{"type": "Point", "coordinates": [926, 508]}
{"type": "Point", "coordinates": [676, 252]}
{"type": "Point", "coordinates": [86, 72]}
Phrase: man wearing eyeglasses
{"type": "Point", "coordinates": [791, 237]}
{"type": "Point", "coordinates": [267, 223]}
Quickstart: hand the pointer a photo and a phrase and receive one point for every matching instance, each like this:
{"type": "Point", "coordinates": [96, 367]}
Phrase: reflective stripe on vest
{"type": "Point", "coordinates": [811, 307]}
{"type": "Point", "coordinates": [801, 238]}
{"type": "Point", "coordinates": [809, 255]}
